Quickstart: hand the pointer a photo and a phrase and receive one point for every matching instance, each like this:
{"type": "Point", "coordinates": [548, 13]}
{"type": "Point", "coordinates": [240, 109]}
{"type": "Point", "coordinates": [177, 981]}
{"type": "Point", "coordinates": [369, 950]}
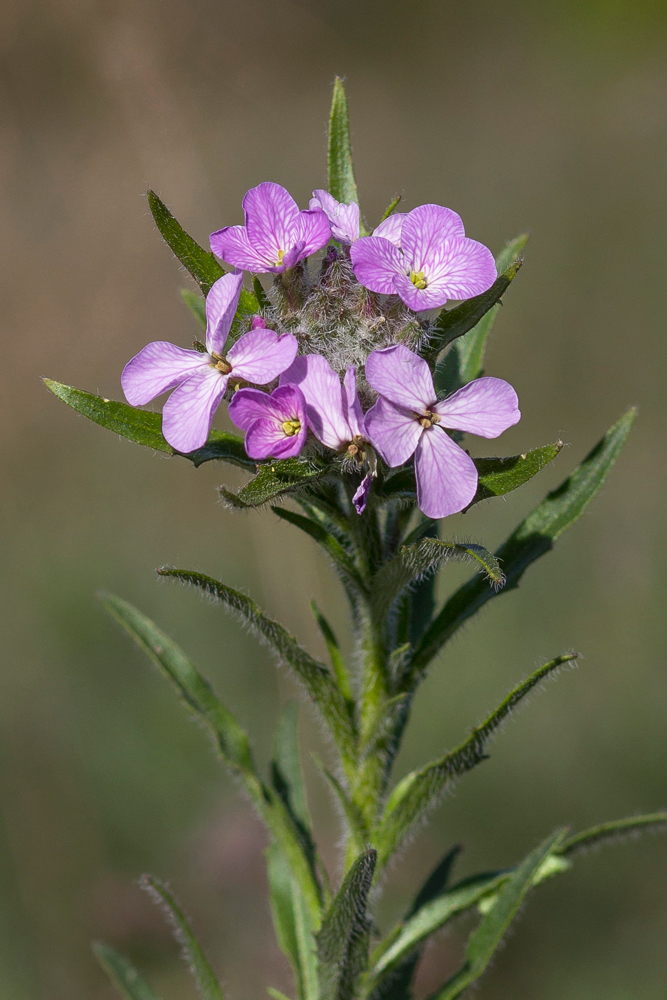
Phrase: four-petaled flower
{"type": "Point", "coordinates": [407, 419]}
{"type": "Point", "coordinates": [275, 425]}
{"type": "Point", "coordinates": [344, 218]}
{"type": "Point", "coordinates": [276, 234]}
{"type": "Point", "coordinates": [199, 379]}
{"type": "Point", "coordinates": [425, 257]}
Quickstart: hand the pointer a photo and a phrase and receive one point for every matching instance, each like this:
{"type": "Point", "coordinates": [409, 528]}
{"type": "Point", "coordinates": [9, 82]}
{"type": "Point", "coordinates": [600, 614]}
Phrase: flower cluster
{"type": "Point", "coordinates": [333, 360]}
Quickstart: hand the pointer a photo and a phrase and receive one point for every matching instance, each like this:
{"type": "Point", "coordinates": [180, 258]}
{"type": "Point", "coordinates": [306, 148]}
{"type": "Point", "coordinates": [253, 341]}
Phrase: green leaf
{"type": "Point", "coordinates": [261, 296]}
{"type": "Point", "coordinates": [342, 184]}
{"type": "Point", "coordinates": [196, 304]}
{"type": "Point", "coordinates": [342, 943]}
{"type": "Point", "coordinates": [533, 538]}
{"type": "Point", "coordinates": [275, 479]}
{"type": "Point", "coordinates": [511, 252]}
{"type": "Point", "coordinates": [391, 208]}
{"type": "Point", "coordinates": [342, 561]}
{"type": "Point", "coordinates": [201, 263]}
{"type": "Point", "coordinates": [485, 940]}
{"type": "Point", "coordinates": [294, 930]}
{"type": "Point", "coordinates": [355, 820]}
{"type": "Point", "coordinates": [315, 677]}
{"type": "Point", "coordinates": [454, 323]}
{"type": "Point", "coordinates": [122, 974]}
{"type": "Point", "coordinates": [335, 655]}
{"type": "Point", "coordinates": [224, 447]}
{"type": "Point", "coordinates": [420, 791]}
{"type": "Point", "coordinates": [613, 830]}
{"type": "Point", "coordinates": [287, 763]}
{"type": "Point", "coordinates": [498, 476]}
{"type": "Point", "coordinates": [199, 965]}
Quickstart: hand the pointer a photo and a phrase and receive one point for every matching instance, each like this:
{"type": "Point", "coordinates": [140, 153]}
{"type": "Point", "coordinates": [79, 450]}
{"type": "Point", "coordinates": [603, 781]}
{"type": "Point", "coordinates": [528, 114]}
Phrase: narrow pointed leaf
{"type": "Point", "coordinates": [419, 792]}
{"type": "Point", "coordinates": [613, 830]}
{"type": "Point", "coordinates": [355, 820]}
{"type": "Point", "coordinates": [315, 677]}
{"type": "Point", "coordinates": [201, 263]}
{"type": "Point", "coordinates": [391, 208]}
{"type": "Point", "coordinates": [260, 294]}
{"type": "Point", "coordinates": [329, 543]}
{"type": "Point", "coordinates": [192, 951]}
{"type": "Point", "coordinates": [288, 763]}
{"type": "Point", "coordinates": [337, 662]}
{"type": "Point", "coordinates": [498, 476]}
{"type": "Point", "coordinates": [196, 304]}
{"type": "Point", "coordinates": [342, 943]}
{"type": "Point", "coordinates": [534, 537]}
{"type": "Point", "coordinates": [122, 974]}
{"type": "Point", "coordinates": [342, 184]}
{"type": "Point", "coordinates": [275, 479]}
{"type": "Point", "coordinates": [294, 930]}
{"type": "Point", "coordinates": [485, 940]}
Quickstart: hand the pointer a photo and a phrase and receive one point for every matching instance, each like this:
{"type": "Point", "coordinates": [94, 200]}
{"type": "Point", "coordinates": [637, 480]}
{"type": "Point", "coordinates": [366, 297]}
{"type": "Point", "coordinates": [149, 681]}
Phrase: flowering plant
{"type": "Point", "coordinates": [354, 388]}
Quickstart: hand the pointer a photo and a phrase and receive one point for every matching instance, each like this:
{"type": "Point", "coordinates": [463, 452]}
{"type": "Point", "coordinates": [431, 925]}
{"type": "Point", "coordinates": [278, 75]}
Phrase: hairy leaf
{"type": "Point", "coordinates": [498, 476]}
{"type": "Point", "coordinates": [122, 974]}
{"type": "Point", "coordinates": [196, 304]}
{"type": "Point", "coordinates": [288, 764]}
{"type": "Point", "coordinates": [355, 820]}
{"type": "Point", "coordinates": [260, 294]}
{"type": "Point", "coordinates": [192, 951]}
{"type": "Point", "coordinates": [343, 562]}
{"type": "Point", "coordinates": [294, 930]}
{"type": "Point", "coordinates": [275, 479]}
{"type": "Point", "coordinates": [533, 538]}
{"type": "Point", "coordinates": [201, 263]}
{"type": "Point", "coordinates": [315, 677]}
{"type": "Point", "coordinates": [335, 655]}
{"type": "Point", "coordinates": [391, 207]}
{"type": "Point", "coordinates": [342, 184]}
{"type": "Point", "coordinates": [419, 792]}
{"type": "Point", "coordinates": [613, 830]}
{"type": "Point", "coordinates": [342, 943]}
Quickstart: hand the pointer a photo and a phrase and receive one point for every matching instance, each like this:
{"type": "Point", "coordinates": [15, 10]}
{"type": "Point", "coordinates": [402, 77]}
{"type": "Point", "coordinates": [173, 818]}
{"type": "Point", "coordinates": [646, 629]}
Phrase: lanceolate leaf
{"type": "Point", "coordinates": [613, 830]}
{"type": "Point", "coordinates": [419, 792]}
{"type": "Point", "coordinates": [391, 207]}
{"type": "Point", "coordinates": [493, 927]}
{"type": "Point", "coordinates": [123, 974]}
{"type": "Point", "coordinates": [294, 929]}
{"type": "Point", "coordinates": [276, 479]}
{"type": "Point", "coordinates": [342, 943]}
{"type": "Point", "coordinates": [288, 764]}
{"type": "Point", "coordinates": [502, 475]}
{"type": "Point", "coordinates": [343, 562]}
{"type": "Point", "coordinates": [145, 428]}
{"type": "Point", "coordinates": [342, 184]}
{"type": "Point", "coordinates": [315, 677]}
{"type": "Point", "coordinates": [196, 304]}
{"type": "Point", "coordinates": [335, 655]}
{"type": "Point", "coordinates": [533, 538]}
{"type": "Point", "coordinates": [201, 263]}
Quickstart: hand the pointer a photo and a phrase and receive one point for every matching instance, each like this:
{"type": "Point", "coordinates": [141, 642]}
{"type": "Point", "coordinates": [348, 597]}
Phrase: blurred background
{"type": "Point", "coordinates": [546, 116]}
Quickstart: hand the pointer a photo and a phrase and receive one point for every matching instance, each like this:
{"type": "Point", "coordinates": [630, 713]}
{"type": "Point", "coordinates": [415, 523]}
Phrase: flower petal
{"type": "Point", "coordinates": [262, 416]}
{"type": "Point", "coordinates": [344, 219]}
{"type": "Point", "coordinates": [401, 376]}
{"type": "Point", "coordinates": [487, 406]}
{"type": "Point", "coordinates": [261, 355]}
{"type": "Point", "coordinates": [391, 228]}
{"type": "Point", "coordinates": [392, 431]}
{"type": "Point", "coordinates": [313, 231]}
{"type": "Point", "coordinates": [375, 261]}
{"type": "Point", "coordinates": [326, 406]}
{"type": "Point", "coordinates": [271, 215]}
{"type": "Point", "coordinates": [221, 304]}
{"type": "Point", "coordinates": [424, 230]}
{"type": "Point", "coordinates": [158, 367]}
{"type": "Point", "coordinates": [419, 299]}
{"type": "Point", "coordinates": [461, 268]}
{"type": "Point", "coordinates": [188, 413]}
{"type": "Point", "coordinates": [360, 497]}
{"type": "Point", "coordinates": [232, 245]}
{"type": "Point", "coordinates": [355, 415]}
{"type": "Point", "coordinates": [446, 476]}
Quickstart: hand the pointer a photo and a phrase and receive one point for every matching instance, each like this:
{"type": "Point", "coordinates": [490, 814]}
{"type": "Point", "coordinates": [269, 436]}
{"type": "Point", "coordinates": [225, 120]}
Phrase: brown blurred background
{"type": "Point", "coordinates": [547, 116]}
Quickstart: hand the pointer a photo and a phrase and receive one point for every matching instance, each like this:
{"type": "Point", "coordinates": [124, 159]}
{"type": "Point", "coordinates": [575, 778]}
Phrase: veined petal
{"type": "Point", "coordinates": [262, 417]}
{"type": "Point", "coordinates": [360, 497]}
{"type": "Point", "coordinates": [375, 261]}
{"type": "Point", "coordinates": [221, 304]}
{"type": "Point", "coordinates": [261, 355]}
{"type": "Point", "coordinates": [460, 268]}
{"type": "Point", "coordinates": [424, 230]}
{"type": "Point", "coordinates": [355, 415]}
{"type": "Point", "coordinates": [393, 431]}
{"type": "Point", "coordinates": [401, 376]}
{"type": "Point", "coordinates": [344, 219]}
{"type": "Point", "coordinates": [391, 228]}
{"type": "Point", "coordinates": [419, 299]}
{"type": "Point", "coordinates": [446, 476]}
{"type": "Point", "coordinates": [487, 406]}
{"type": "Point", "coordinates": [325, 404]}
{"type": "Point", "coordinates": [188, 413]}
{"type": "Point", "coordinates": [232, 245]}
{"type": "Point", "coordinates": [271, 215]}
{"type": "Point", "coordinates": [313, 230]}
{"type": "Point", "coordinates": [158, 367]}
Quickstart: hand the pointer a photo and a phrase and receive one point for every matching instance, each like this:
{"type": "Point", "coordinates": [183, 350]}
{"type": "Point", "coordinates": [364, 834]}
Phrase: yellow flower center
{"type": "Point", "coordinates": [417, 278]}
{"type": "Point", "coordinates": [428, 418]}
{"type": "Point", "coordinates": [291, 427]}
{"type": "Point", "coordinates": [355, 447]}
{"type": "Point", "coordinates": [220, 364]}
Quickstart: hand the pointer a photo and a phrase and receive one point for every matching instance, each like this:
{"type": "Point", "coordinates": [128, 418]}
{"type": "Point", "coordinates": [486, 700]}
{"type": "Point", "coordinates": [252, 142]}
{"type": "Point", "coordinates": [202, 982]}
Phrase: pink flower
{"type": "Point", "coordinates": [199, 380]}
{"type": "Point", "coordinates": [276, 234]}
{"type": "Point", "coordinates": [275, 424]}
{"type": "Point", "coordinates": [344, 219]}
{"type": "Point", "coordinates": [407, 419]}
{"type": "Point", "coordinates": [425, 257]}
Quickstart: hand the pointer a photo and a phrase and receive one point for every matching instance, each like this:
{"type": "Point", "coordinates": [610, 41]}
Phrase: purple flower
{"type": "Point", "coordinates": [276, 234]}
{"type": "Point", "coordinates": [425, 257]}
{"type": "Point", "coordinates": [199, 380]}
{"type": "Point", "coordinates": [275, 424]}
{"type": "Point", "coordinates": [407, 419]}
{"type": "Point", "coordinates": [344, 219]}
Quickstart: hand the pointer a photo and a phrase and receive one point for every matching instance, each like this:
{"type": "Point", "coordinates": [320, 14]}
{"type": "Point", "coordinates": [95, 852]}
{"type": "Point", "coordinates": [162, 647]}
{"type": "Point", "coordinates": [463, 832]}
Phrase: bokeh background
{"type": "Point", "coordinates": [547, 116]}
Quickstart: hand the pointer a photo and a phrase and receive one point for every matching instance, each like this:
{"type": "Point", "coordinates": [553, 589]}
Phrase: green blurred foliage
{"type": "Point", "coordinates": [543, 116]}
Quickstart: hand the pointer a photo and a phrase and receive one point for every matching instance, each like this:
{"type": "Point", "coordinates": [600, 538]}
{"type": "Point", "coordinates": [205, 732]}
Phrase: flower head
{"type": "Point", "coordinates": [276, 234]}
{"type": "Point", "coordinates": [407, 419]}
{"type": "Point", "coordinates": [425, 257]}
{"type": "Point", "coordinates": [275, 424]}
{"type": "Point", "coordinates": [344, 219]}
{"type": "Point", "coordinates": [200, 379]}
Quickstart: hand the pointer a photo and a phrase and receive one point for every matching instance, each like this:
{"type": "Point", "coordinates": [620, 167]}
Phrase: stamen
{"type": "Point", "coordinates": [291, 427]}
{"type": "Point", "coordinates": [220, 364]}
{"type": "Point", "coordinates": [281, 254]}
{"type": "Point", "coordinates": [417, 278]}
{"type": "Point", "coordinates": [428, 418]}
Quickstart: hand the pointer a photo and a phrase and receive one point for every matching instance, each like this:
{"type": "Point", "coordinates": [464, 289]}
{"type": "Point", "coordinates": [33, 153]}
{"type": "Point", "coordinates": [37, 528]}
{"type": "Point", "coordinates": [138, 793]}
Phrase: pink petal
{"type": "Point", "coordinates": [487, 406]}
{"type": "Point", "coordinates": [375, 262]}
{"type": "Point", "coordinates": [446, 476]}
{"type": "Point", "coordinates": [419, 299]}
{"type": "Point", "coordinates": [323, 392]}
{"type": "Point", "coordinates": [424, 230]}
{"type": "Point", "coordinates": [461, 268]}
{"type": "Point", "coordinates": [322, 199]}
{"type": "Point", "coordinates": [262, 416]}
{"type": "Point", "coordinates": [344, 219]}
{"type": "Point", "coordinates": [392, 431]}
{"type": "Point", "coordinates": [355, 415]}
{"type": "Point", "coordinates": [158, 367]}
{"type": "Point", "coordinates": [401, 376]}
{"type": "Point", "coordinates": [360, 497]}
{"type": "Point", "coordinates": [248, 405]}
{"type": "Point", "coordinates": [271, 216]}
{"type": "Point", "coordinates": [187, 414]}
{"type": "Point", "coordinates": [221, 305]}
{"type": "Point", "coordinates": [391, 228]}
{"type": "Point", "coordinates": [232, 244]}
{"type": "Point", "coordinates": [313, 231]}
{"type": "Point", "coordinates": [261, 355]}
